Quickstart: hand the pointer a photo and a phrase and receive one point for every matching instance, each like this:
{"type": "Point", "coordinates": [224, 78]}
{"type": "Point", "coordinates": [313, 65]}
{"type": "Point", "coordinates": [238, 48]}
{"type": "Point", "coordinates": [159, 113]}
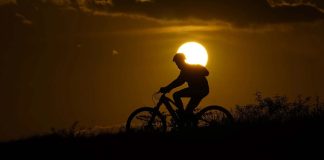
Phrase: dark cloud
{"type": "Point", "coordinates": [243, 12]}
{"type": "Point", "coordinates": [319, 5]}
{"type": "Point", "coordinates": [64, 17]}
{"type": "Point", "coordinates": [6, 1]}
{"type": "Point", "coordinates": [239, 13]}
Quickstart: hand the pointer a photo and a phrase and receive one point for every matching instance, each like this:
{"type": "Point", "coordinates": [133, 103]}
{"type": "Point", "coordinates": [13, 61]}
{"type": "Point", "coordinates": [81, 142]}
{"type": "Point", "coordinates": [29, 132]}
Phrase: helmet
{"type": "Point", "coordinates": [179, 57]}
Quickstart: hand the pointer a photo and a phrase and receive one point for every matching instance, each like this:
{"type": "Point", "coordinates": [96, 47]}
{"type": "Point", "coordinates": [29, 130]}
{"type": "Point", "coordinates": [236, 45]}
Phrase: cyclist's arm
{"type": "Point", "coordinates": [177, 82]}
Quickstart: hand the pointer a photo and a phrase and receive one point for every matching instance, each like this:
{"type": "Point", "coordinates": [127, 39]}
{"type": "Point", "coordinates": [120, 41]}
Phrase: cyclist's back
{"type": "Point", "coordinates": [195, 76]}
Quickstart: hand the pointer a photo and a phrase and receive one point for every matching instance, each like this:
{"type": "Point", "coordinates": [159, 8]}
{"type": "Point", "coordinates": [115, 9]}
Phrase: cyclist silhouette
{"type": "Point", "coordinates": [195, 76]}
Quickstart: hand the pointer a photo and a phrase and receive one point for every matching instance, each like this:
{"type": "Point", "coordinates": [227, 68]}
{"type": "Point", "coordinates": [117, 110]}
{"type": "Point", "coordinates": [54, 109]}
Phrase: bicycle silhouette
{"type": "Point", "coordinates": [152, 119]}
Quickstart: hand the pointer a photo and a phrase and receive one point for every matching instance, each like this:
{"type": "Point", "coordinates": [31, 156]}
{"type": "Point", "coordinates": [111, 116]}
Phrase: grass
{"type": "Point", "coordinates": [272, 128]}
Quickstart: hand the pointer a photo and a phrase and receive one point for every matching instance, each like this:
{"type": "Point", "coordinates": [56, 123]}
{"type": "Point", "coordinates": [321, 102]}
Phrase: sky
{"type": "Point", "coordinates": [95, 61]}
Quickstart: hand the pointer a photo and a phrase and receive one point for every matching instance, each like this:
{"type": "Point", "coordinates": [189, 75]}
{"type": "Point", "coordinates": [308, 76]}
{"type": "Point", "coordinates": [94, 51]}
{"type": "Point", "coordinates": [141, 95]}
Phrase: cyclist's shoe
{"type": "Point", "coordinates": [189, 120]}
{"type": "Point", "coordinates": [173, 122]}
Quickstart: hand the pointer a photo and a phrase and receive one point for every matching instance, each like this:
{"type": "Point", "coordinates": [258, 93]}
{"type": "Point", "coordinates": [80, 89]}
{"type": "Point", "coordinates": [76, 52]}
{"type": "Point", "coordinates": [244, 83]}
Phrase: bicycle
{"type": "Point", "coordinates": [151, 119]}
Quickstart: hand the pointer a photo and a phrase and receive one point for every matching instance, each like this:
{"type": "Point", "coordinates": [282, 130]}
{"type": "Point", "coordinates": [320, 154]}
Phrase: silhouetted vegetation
{"type": "Point", "coordinates": [279, 110]}
{"type": "Point", "coordinates": [272, 128]}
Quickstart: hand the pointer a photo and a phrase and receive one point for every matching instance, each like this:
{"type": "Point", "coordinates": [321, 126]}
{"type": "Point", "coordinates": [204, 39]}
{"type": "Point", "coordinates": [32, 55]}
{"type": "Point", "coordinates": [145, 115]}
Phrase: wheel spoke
{"type": "Point", "coordinates": [142, 120]}
{"type": "Point", "coordinates": [213, 116]}
{"type": "Point", "coordinates": [142, 117]}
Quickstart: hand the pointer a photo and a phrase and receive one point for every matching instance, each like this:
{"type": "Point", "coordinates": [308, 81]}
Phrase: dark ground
{"type": "Point", "coordinates": [272, 129]}
{"type": "Point", "coordinates": [268, 142]}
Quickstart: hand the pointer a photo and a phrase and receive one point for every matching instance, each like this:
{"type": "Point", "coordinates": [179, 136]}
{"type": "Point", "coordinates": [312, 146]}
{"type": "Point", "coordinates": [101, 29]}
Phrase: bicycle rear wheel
{"type": "Point", "coordinates": [146, 119]}
{"type": "Point", "coordinates": [214, 116]}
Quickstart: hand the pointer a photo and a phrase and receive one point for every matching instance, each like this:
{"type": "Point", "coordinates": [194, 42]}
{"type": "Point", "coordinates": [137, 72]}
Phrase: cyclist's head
{"type": "Point", "coordinates": [179, 59]}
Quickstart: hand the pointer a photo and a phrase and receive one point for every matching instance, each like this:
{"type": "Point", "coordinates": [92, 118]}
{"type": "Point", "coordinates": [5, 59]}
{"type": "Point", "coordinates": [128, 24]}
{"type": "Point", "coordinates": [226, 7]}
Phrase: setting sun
{"type": "Point", "coordinates": [195, 53]}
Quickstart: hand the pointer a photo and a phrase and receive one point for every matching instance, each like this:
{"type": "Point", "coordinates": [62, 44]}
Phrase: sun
{"type": "Point", "coordinates": [195, 53]}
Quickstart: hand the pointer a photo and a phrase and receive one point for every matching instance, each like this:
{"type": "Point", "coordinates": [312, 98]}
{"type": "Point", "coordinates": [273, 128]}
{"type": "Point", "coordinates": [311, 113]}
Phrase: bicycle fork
{"type": "Point", "coordinates": [155, 112]}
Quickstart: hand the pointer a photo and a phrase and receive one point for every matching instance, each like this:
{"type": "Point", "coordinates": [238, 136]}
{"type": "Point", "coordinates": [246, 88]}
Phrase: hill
{"type": "Point", "coordinates": [271, 129]}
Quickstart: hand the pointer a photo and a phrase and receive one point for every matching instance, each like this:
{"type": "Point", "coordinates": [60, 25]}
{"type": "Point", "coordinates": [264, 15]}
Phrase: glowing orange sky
{"type": "Point", "coordinates": [66, 61]}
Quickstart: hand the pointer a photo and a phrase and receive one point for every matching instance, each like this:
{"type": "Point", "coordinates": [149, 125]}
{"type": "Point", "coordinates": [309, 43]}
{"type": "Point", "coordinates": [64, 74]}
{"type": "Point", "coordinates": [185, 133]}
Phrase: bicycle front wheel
{"type": "Point", "coordinates": [214, 116]}
{"type": "Point", "coordinates": [146, 119]}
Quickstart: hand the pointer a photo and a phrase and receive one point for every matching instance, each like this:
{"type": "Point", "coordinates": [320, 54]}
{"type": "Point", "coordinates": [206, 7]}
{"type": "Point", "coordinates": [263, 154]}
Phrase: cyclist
{"type": "Point", "coordinates": [195, 76]}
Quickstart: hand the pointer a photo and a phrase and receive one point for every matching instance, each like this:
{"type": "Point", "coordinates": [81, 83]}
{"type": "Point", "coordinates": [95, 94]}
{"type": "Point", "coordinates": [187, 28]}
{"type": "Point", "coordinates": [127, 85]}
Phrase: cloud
{"type": "Point", "coordinates": [240, 13]}
{"type": "Point", "coordinates": [174, 16]}
{"type": "Point", "coordinates": [319, 5]}
{"type": "Point", "coordinates": [23, 19]}
{"type": "Point", "coordinates": [144, 1]}
{"type": "Point", "coordinates": [2, 2]}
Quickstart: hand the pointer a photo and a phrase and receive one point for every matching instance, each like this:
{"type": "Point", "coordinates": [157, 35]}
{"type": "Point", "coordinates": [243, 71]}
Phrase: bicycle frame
{"type": "Point", "coordinates": [179, 120]}
{"type": "Point", "coordinates": [166, 101]}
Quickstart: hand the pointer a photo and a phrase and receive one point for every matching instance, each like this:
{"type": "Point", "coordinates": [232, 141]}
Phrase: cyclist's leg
{"type": "Point", "coordinates": [188, 116]}
{"type": "Point", "coordinates": [178, 95]}
{"type": "Point", "coordinates": [193, 103]}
